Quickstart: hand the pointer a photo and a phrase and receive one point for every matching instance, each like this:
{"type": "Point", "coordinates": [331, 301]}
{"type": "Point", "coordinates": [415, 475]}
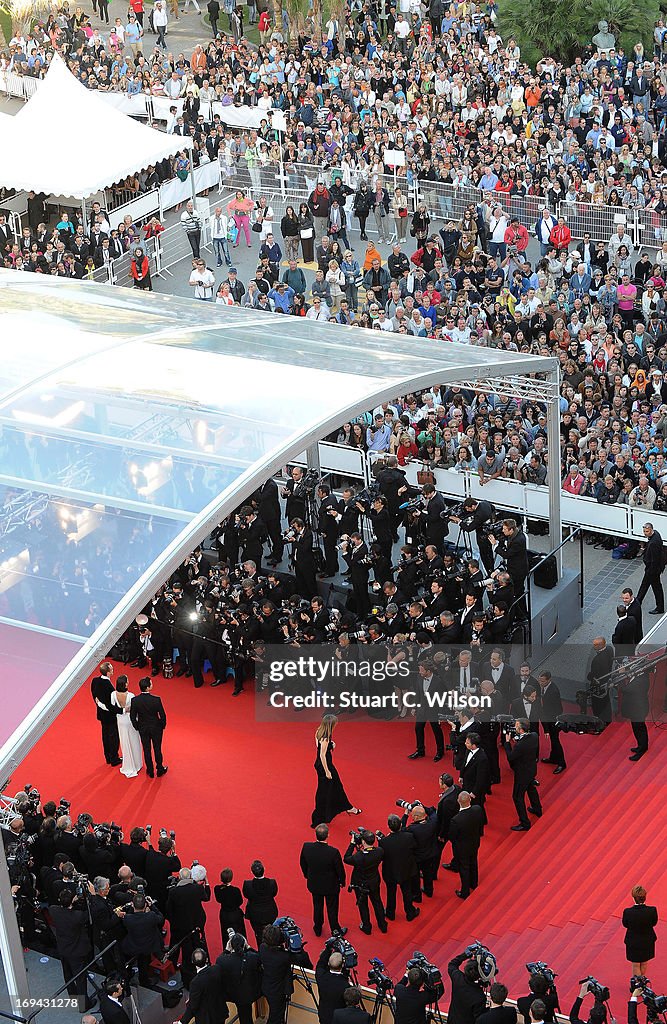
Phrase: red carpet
{"type": "Point", "coordinates": [237, 790]}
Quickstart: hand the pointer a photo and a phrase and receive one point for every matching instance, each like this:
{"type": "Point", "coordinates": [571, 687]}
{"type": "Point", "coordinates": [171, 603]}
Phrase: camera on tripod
{"type": "Point", "coordinates": [538, 968]}
{"type": "Point", "coordinates": [291, 933]}
{"type": "Point", "coordinates": [431, 975]}
{"type": "Point", "coordinates": [599, 991]}
{"type": "Point", "coordinates": [378, 977]}
{"type": "Point", "coordinates": [339, 944]}
{"type": "Point", "coordinates": [485, 960]}
{"type": "Point", "coordinates": [655, 1004]}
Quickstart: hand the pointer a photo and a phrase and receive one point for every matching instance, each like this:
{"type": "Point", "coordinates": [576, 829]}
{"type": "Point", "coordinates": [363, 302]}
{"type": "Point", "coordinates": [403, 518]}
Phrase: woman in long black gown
{"type": "Point", "coordinates": [331, 797]}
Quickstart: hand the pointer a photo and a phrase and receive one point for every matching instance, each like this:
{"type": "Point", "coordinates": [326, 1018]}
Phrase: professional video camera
{"type": "Point", "coordinates": [655, 1005]}
{"type": "Point", "coordinates": [456, 511]}
{"type": "Point", "coordinates": [494, 528]}
{"type": "Point", "coordinates": [506, 723]}
{"type": "Point", "coordinates": [407, 806]}
{"type": "Point", "coordinates": [599, 992]}
{"type": "Point", "coordinates": [108, 834]}
{"type": "Point", "coordinates": [339, 944]}
{"type": "Point", "coordinates": [366, 497]}
{"type": "Point", "coordinates": [377, 975]}
{"type": "Point", "coordinates": [583, 725]}
{"type": "Point", "coordinates": [538, 968]}
{"type": "Point", "coordinates": [430, 974]}
{"type": "Point", "coordinates": [415, 504]}
{"type": "Point", "coordinates": [32, 795]}
{"type": "Point", "coordinates": [307, 484]}
{"type": "Point", "coordinates": [292, 934]}
{"type": "Point", "coordinates": [485, 960]}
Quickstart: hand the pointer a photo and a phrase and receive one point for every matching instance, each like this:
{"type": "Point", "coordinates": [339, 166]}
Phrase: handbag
{"type": "Point", "coordinates": [425, 476]}
{"type": "Point", "coordinates": [307, 232]}
{"type": "Point", "coordinates": [402, 211]}
{"type": "Point", "coordinates": [257, 226]}
{"type": "Point", "coordinates": [182, 175]}
{"type": "Point", "coordinates": [232, 233]}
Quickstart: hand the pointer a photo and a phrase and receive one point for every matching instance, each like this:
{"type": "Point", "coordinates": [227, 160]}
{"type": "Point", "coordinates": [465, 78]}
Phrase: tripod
{"type": "Point", "coordinates": [382, 999]}
{"type": "Point", "coordinates": [305, 982]}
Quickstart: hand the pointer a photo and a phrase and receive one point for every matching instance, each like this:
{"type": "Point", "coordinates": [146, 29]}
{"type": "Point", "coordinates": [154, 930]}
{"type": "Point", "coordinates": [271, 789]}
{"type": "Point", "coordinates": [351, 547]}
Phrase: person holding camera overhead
{"type": "Point", "coordinates": [412, 998]}
{"type": "Point", "coordinates": [330, 797]}
{"type": "Point", "coordinates": [144, 934]}
{"type": "Point", "coordinates": [522, 758]}
{"type": "Point", "coordinates": [365, 858]}
{"type": "Point", "coordinates": [241, 976]}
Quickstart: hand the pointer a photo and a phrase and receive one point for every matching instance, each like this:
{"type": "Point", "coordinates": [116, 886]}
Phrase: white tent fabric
{"type": "Point", "coordinates": [44, 156]}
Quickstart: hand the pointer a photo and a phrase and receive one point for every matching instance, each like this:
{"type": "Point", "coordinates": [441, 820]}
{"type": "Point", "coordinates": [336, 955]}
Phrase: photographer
{"type": "Point", "coordinates": [475, 514]}
{"type": "Point", "coordinates": [352, 1013]}
{"type": "Point", "coordinates": [434, 526]}
{"type": "Point", "coordinates": [513, 549]}
{"type": "Point", "coordinates": [498, 1013]}
{"type": "Point", "coordinates": [522, 758]}
{"type": "Point", "coordinates": [468, 1001]}
{"type": "Point", "coordinates": [381, 523]}
{"type": "Point", "coordinates": [134, 853]}
{"type": "Point", "coordinates": [161, 864]}
{"type": "Point", "coordinates": [322, 867]}
{"type": "Point", "coordinates": [187, 917]}
{"type": "Point", "coordinates": [539, 987]}
{"type": "Point", "coordinates": [252, 534]}
{"type": "Point", "coordinates": [424, 827]}
{"type": "Point", "coordinates": [598, 1011]}
{"type": "Point", "coordinates": [303, 558]}
{"type": "Point", "coordinates": [412, 998]}
{"type": "Point", "coordinates": [144, 934]}
{"type": "Point", "coordinates": [355, 554]}
{"type": "Point", "coordinates": [332, 983]}
{"type": "Point", "coordinates": [446, 811]}
{"type": "Point", "coordinates": [364, 858]}
{"type": "Point", "coordinates": [393, 484]}
{"type": "Point", "coordinates": [328, 514]}
{"type": "Point", "coordinates": [241, 976]}
{"type": "Point", "coordinates": [206, 998]}
{"type": "Point", "coordinates": [399, 867]}
{"type": "Point", "coordinates": [295, 493]}
{"type": "Point", "coordinates": [106, 924]}
{"type": "Point", "coordinates": [70, 923]}
{"type": "Point", "coordinates": [277, 982]}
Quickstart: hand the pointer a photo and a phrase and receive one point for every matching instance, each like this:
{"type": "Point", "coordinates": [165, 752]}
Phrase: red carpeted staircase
{"type": "Point", "coordinates": [238, 789]}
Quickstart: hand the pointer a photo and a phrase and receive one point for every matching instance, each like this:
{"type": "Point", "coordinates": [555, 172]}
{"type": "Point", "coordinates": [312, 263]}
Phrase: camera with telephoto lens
{"type": "Point", "coordinates": [655, 1004]}
{"type": "Point", "coordinates": [495, 529]}
{"type": "Point", "coordinates": [291, 933]}
{"type": "Point", "coordinates": [164, 834]}
{"type": "Point", "coordinates": [485, 960]}
{"type": "Point", "coordinates": [366, 497]}
{"type": "Point", "coordinates": [357, 834]}
{"type": "Point", "coordinates": [538, 969]}
{"type": "Point", "coordinates": [33, 796]}
{"type": "Point", "coordinates": [81, 880]}
{"type": "Point", "coordinates": [63, 807]}
{"type": "Point", "coordinates": [377, 975]}
{"type": "Point", "coordinates": [339, 944]}
{"type": "Point", "coordinates": [599, 992]}
{"type": "Point", "coordinates": [407, 806]}
{"type": "Point", "coordinates": [358, 634]}
{"type": "Point", "coordinates": [430, 974]}
{"type": "Point", "coordinates": [288, 536]}
{"type": "Point", "coordinates": [108, 834]}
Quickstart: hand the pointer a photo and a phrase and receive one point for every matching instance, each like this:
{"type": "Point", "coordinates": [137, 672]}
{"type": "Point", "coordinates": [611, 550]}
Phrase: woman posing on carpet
{"type": "Point", "coordinates": [130, 741]}
{"type": "Point", "coordinates": [330, 798]}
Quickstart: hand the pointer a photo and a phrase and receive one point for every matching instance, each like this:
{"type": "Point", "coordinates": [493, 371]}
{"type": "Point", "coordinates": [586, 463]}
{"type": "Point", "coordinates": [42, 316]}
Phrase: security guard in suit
{"type": "Point", "coordinates": [327, 525]}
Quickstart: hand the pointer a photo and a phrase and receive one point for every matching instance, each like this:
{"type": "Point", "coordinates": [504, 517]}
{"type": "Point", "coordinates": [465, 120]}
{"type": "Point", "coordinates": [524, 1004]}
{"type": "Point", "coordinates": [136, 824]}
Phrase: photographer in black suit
{"type": "Point", "coordinates": [512, 547]}
{"type": "Point", "coordinates": [241, 976]}
{"type": "Point", "coordinates": [433, 526]}
{"type": "Point", "coordinates": [475, 773]}
{"type": "Point", "coordinates": [252, 534]}
{"type": "Point", "coordinates": [322, 867]}
{"type": "Point", "coordinates": [295, 493]}
{"type": "Point", "coordinates": [539, 993]}
{"type": "Point", "coordinates": [498, 1013]}
{"type": "Point", "coordinates": [551, 706]}
{"type": "Point", "coordinates": [602, 662]}
{"type": "Point", "coordinates": [161, 864]}
{"type": "Point", "coordinates": [399, 867]}
{"type": "Point", "coordinates": [412, 998]}
{"type": "Point", "coordinates": [277, 983]}
{"type": "Point", "coordinates": [468, 1000]}
{"type": "Point", "coordinates": [187, 917]}
{"type": "Point", "coordinates": [144, 934]}
{"type": "Point", "coordinates": [327, 526]}
{"type": "Point", "coordinates": [365, 858]}
{"type": "Point", "coordinates": [268, 509]}
{"type": "Point", "coordinates": [424, 827]}
{"type": "Point", "coordinates": [522, 758]}
{"type": "Point", "coordinates": [635, 707]}
{"type": "Point", "coordinates": [654, 563]}
{"type": "Point", "coordinates": [446, 811]}
{"type": "Point", "coordinates": [476, 514]}
{"type": "Point", "coordinates": [355, 553]}
{"type": "Point", "coordinates": [332, 983]}
{"type": "Point", "coordinates": [101, 689]}
{"type": "Point", "coordinates": [303, 558]}
{"type": "Point", "coordinates": [149, 719]}
{"type": "Point", "coordinates": [352, 1013]}
{"type": "Point", "coordinates": [206, 999]}
{"type": "Point", "coordinates": [69, 918]}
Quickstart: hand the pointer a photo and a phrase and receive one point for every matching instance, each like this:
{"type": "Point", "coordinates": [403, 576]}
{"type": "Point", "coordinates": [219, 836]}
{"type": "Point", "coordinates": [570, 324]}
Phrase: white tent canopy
{"type": "Point", "coordinates": [45, 157]}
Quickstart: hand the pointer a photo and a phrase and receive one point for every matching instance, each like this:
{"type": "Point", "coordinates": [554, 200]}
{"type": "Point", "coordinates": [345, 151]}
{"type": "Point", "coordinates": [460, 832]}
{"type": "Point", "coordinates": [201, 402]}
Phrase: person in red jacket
{"type": "Point", "coordinates": [560, 236]}
{"type": "Point", "coordinates": [516, 235]}
{"type": "Point", "coordinates": [140, 271]}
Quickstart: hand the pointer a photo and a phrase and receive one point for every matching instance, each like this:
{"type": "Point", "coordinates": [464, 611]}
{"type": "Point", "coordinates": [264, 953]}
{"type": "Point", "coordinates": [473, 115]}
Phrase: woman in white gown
{"type": "Point", "coordinates": [130, 741]}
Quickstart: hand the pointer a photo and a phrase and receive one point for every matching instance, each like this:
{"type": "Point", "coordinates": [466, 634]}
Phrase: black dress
{"type": "Point", "coordinates": [639, 922]}
{"type": "Point", "coordinates": [330, 798]}
{"type": "Point", "coordinates": [231, 916]}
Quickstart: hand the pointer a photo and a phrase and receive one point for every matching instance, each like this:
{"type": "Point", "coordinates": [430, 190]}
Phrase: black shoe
{"type": "Point", "coordinates": [635, 750]}
{"type": "Point", "coordinates": [188, 673]}
{"type": "Point", "coordinates": [416, 912]}
{"type": "Point", "coordinates": [438, 757]}
{"type": "Point", "coordinates": [114, 764]}
{"type": "Point", "coordinates": [363, 237]}
{"type": "Point", "coordinates": [559, 770]}
{"type": "Point", "coordinates": [461, 895]}
{"type": "Point", "coordinates": [235, 693]}
{"type": "Point", "coordinates": [449, 867]}
{"type": "Point", "coordinates": [538, 814]}
{"type": "Point", "coordinates": [657, 611]}
{"type": "Point", "coordinates": [383, 928]}
{"type": "Point", "coordinates": [151, 775]}
{"type": "Point", "coordinates": [547, 760]}
{"type": "Point", "coordinates": [520, 828]}
{"type": "Point", "coordinates": [161, 772]}
{"type": "Point", "coordinates": [638, 756]}
{"type": "Point", "coordinates": [417, 754]}
{"type": "Point", "coordinates": [390, 917]}
{"type": "Point", "coordinates": [318, 931]}
{"type": "Point", "coordinates": [366, 931]}
{"type": "Point", "coordinates": [218, 682]}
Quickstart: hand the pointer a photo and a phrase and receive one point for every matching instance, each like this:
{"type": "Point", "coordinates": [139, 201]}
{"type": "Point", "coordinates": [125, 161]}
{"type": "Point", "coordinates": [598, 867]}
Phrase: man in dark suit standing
{"type": "Point", "coordinates": [149, 719]}
{"type": "Point", "coordinates": [332, 983]}
{"type": "Point", "coordinates": [475, 774]}
{"type": "Point", "coordinates": [625, 632]}
{"type": "Point", "coordinates": [101, 689]}
{"type": "Point", "coordinates": [327, 525]}
{"type": "Point", "coordinates": [522, 758]}
{"type": "Point", "coordinates": [600, 666]}
{"type": "Point", "coordinates": [111, 1002]}
{"type": "Point", "coordinates": [70, 924]}
{"type": "Point", "coordinates": [551, 706]}
{"type": "Point", "coordinates": [144, 935]}
{"type": "Point", "coordinates": [399, 867]}
{"type": "Point", "coordinates": [304, 559]}
{"type": "Point", "coordinates": [252, 534]}
{"type": "Point", "coordinates": [352, 1012]}
{"type": "Point", "coordinates": [355, 554]}
{"type": "Point", "coordinates": [634, 609]}
{"type": "Point", "coordinates": [468, 998]}
{"type": "Point", "coordinates": [186, 915]}
{"type": "Point", "coordinates": [528, 704]}
{"type": "Point", "coordinates": [322, 867]}
{"type": "Point", "coordinates": [513, 548]}
{"type": "Point", "coordinates": [427, 682]}
{"type": "Point", "coordinates": [364, 858]}
{"type": "Point", "coordinates": [268, 509]}
{"type": "Point", "coordinates": [206, 1003]}
{"type": "Point", "coordinates": [635, 706]}
{"type": "Point", "coordinates": [498, 1013]}
{"type": "Point", "coordinates": [447, 809]}
{"type": "Point", "coordinates": [465, 832]}
{"type": "Point", "coordinates": [654, 563]}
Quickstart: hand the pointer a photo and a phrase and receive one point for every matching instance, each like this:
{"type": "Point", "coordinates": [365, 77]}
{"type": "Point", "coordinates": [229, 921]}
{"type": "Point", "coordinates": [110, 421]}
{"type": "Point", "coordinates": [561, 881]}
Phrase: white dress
{"type": "Point", "coordinates": [130, 741]}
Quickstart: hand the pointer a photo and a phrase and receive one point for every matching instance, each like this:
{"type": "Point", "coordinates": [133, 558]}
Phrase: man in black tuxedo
{"type": "Point", "coordinates": [625, 632]}
{"type": "Point", "coordinates": [654, 563]}
{"type": "Point", "coordinates": [399, 867]}
{"type": "Point", "coordinates": [352, 1012]}
{"type": "Point", "coordinates": [322, 867]}
{"type": "Point", "coordinates": [111, 1002]}
{"type": "Point", "coordinates": [498, 1013]}
{"type": "Point", "coordinates": [434, 527]}
{"type": "Point", "coordinates": [186, 915]}
{"type": "Point", "coordinates": [522, 758]}
{"type": "Point", "coordinates": [252, 534]}
{"type": "Point", "coordinates": [475, 515]}
{"type": "Point", "coordinates": [412, 998]}
{"type": "Point", "coordinates": [149, 719]}
{"type": "Point", "coordinates": [635, 706]}
{"type": "Point", "coordinates": [295, 493]}
{"type": "Point", "coordinates": [446, 811]}
{"type": "Point", "coordinates": [424, 827]}
{"type": "Point", "coordinates": [144, 934]}
{"type": "Point", "coordinates": [502, 674]}
{"type": "Point", "coordinates": [70, 924]}
{"type": "Point", "coordinates": [327, 525]}
{"type": "Point", "coordinates": [206, 1003]}
{"type": "Point", "coordinates": [600, 666]}
{"type": "Point", "coordinates": [465, 832]}
{"type": "Point", "coordinates": [332, 983]}
{"type": "Point", "coordinates": [364, 858]}
{"type": "Point", "coordinates": [528, 705]}
{"type": "Point", "coordinates": [512, 547]}
{"type": "Point", "coordinates": [475, 773]}
{"type": "Point", "coordinates": [268, 509]}
{"type": "Point", "coordinates": [303, 559]}
{"type": "Point", "coordinates": [101, 689]}
{"type": "Point", "coordinates": [551, 706]}
{"type": "Point", "coordinates": [634, 609]}
{"type": "Point", "coordinates": [355, 554]}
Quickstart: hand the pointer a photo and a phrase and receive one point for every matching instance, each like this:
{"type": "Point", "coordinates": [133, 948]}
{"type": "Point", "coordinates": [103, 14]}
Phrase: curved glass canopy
{"type": "Point", "coordinates": [131, 423]}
